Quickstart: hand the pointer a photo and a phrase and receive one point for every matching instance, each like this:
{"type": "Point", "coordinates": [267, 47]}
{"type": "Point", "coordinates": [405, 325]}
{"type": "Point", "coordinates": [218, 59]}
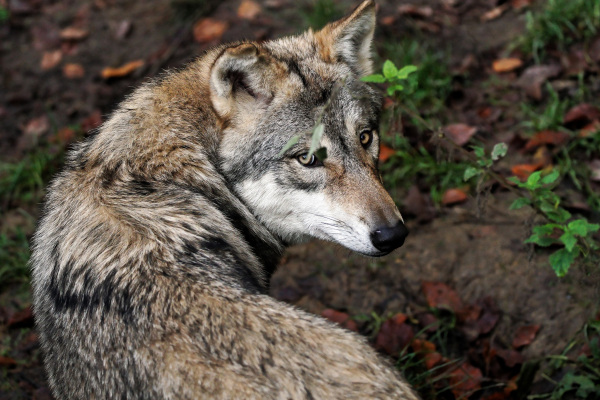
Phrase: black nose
{"type": "Point", "coordinates": [387, 239]}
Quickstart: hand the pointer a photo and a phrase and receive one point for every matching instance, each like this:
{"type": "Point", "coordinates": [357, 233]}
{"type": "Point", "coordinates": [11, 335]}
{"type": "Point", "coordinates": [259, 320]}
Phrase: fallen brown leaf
{"type": "Point", "coordinates": [73, 33]}
{"type": "Point", "coordinates": [418, 205]}
{"type": "Point", "coordinates": [37, 126]}
{"type": "Point", "coordinates": [388, 20]}
{"type": "Point", "coordinates": [427, 350]}
{"type": "Point", "coordinates": [64, 135]}
{"type": "Point", "coordinates": [522, 171]}
{"type": "Point", "coordinates": [7, 361]}
{"type": "Point", "coordinates": [50, 59]}
{"type": "Point", "coordinates": [440, 295]}
{"type": "Point", "coordinates": [248, 9]}
{"type": "Point", "coordinates": [417, 11]}
{"type": "Point", "coordinates": [465, 380]}
{"type": "Point", "coordinates": [385, 152]}
{"type": "Point", "coordinates": [73, 71]}
{"type": "Point", "coordinates": [555, 138]}
{"type": "Point", "coordinates": [506, 64]}
{"type": "Point", "coordinates": [394, 335]}
{"type": "Point", "coordinates": [534, 77]}
{"type": "Point", "coordinates": [494, 13]}
{"type": "Point", "coordinates": [490, 315]}
{"type": "Point", "coordinates": [542, 156]}
{"type": "Point", "coordinates": [121, 71]}
{"type": "Point", "coordinates": [590, 129]}
{"type": "Point", "coordinates": [208, 30]}
{"type": "Point", "coordinates": [340, 318]}
{"type": "Point", "coordinates": [525, 335]}
{"type": "Point", "coordinates": [460, 133]}
{"type": "Point", "coordinates": [518, 4]}
{"type": "Point", "coordinates": [581, 114]}
{"type": "Point", "coordinates": [92, 121]}
{"type": "Point", "coordinates": [454, 196]}
{"type": "Point", "coordinates": [511, 357]}
{"type": "Point", "coordinates": [20, 319]}
{"type": "Point", "coordinates": [429, 322]}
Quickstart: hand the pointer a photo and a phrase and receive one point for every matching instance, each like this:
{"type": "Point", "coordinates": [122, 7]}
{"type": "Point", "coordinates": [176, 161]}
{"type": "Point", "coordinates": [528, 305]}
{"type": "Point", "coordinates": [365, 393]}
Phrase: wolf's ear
{"type": "Point", "coordinates": [239, 76]}
{"type": "Point", "coordinates": [350, 39]}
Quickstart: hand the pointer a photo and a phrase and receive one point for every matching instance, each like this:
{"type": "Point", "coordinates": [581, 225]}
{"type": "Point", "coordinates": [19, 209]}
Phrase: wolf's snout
{"type": "Point", "coordinates": [387, 239]}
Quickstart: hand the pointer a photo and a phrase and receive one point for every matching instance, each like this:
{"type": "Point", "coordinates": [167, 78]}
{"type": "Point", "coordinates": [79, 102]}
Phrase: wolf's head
{"type": "Point", "coordinates": [265, 94]}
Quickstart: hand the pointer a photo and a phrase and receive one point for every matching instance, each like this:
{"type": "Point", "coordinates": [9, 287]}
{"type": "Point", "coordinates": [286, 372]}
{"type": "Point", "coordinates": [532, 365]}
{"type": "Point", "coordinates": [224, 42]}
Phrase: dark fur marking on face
{"type": "Point", "coordinates": [294, 182]}
{"type": "Point", "coordinates": [293, 67]}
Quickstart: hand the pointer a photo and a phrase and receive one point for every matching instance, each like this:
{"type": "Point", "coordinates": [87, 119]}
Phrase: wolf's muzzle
{"type": "Point", "coordinates": [387, 239]}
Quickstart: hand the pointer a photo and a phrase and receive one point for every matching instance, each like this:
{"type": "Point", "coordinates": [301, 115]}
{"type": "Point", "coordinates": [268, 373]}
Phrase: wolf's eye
{"type": "Point", "coordinates": [307, 161]}
{"type": "Point", "coordinates": [366, 137]}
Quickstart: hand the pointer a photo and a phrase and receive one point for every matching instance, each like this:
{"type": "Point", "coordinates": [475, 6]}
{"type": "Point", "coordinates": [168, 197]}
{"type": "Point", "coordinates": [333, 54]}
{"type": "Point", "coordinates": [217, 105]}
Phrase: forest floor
{"type": "Point", "coordinates": [465, 306]}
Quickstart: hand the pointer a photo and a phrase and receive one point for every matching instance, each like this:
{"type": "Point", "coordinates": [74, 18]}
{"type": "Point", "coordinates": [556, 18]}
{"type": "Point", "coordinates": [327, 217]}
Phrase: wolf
{"type": "Point", "coordinates": [152, 258]}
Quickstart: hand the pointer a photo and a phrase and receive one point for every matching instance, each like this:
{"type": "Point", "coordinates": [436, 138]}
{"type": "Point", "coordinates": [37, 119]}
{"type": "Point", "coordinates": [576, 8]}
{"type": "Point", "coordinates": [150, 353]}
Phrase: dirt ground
{"type": "Point", "coordinates": [476, 249]}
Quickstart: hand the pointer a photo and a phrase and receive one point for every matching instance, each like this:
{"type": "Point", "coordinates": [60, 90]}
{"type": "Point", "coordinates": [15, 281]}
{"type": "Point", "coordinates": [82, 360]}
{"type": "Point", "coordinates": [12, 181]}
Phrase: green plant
{"type": "Point", "coordinates": [14, 255]}
{"type": "Point", "coordinates": [482, 163]}
{"type": "Point", "coordinates": [574, 236]}
{"type": "Point", "coordinates": [573, 159]}
{"type": "Point", "coordinates": [408, 164]}
{"type": "Point", "coordinates": [582, 377]}
{"type": "Point", "coordinates": [551, 118]}
{"type": "Point", "coordinates": [430, 85]}
{"type": "Point", "coordinates": [560, 23]}
{"type": "Point", "coordinates": [24, 180]}
{"type": "Point", "coordinates": [4, 14]}
{"type": "Point", "coordinates": [321, 13]}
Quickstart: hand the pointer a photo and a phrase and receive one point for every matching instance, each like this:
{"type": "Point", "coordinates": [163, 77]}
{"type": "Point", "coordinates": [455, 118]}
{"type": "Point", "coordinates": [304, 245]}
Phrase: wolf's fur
{"type": "Point", "coordinates": [152, 259]}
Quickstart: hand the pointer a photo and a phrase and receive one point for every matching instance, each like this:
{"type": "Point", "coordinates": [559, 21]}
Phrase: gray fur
{"type": "Point", "coordinates": [152, 258]}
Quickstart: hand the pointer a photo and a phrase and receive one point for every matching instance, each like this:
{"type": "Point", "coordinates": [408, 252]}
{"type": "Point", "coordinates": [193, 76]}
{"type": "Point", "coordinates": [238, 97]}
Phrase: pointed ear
{"type": "Point", "coordinates": [349, 39]}
{"type": "Point", "coordinates": [239, 77]}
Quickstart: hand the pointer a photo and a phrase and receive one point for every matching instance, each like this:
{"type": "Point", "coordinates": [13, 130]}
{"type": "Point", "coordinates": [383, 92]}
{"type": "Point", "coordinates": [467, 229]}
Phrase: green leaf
{"type": "Point", "coordinates": [520, 203]}
{"type": "Point", "coordinates": [561, 261]}
{"type": "Point", "coordinates": [569, 240]}
{"type": "Point", "coordinates": [586, 386]}
{"type": "Point", "coordinates": [389, 69]}
{"type": "Point", "coordinates": [406, 71]}
{"type": "Point", "coordinates": [534, 178]}
{"type": "Point", "coordinates": [499, 151]}
{"type": "Point", "coordinates": [396, 88]}
{"type": "Point", "coordinates": [293, 140]}
{"type": "Point", "coordinates": [550, 178]}
{"type": "Point", "coordinates": [540, 240]}
{"type": "Point", "coordinates": [559, 215]}
{"type": "Point", "coordinates": [479, 151]}
{"type": "Point", "coordinates": [321, 154]}
{"type": "Point", "coordinates": [316, 139]}
{"type": "Point", "coordinates": [546, 229]}
{"type": "Point", "coordinates": [471, 172]}
{"type": "Point", "coordinates": [581, 227]}
{"type": "Point", "coordinates": [375, 78]}
{"type": "Point", "coordinates": [516, 181]}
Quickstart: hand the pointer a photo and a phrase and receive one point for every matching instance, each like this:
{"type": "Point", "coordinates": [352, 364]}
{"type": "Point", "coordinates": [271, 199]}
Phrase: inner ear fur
{"type": "Point", "coordinates": [240, 75]}
{"type": "Point", "coordinates": [349, 39]}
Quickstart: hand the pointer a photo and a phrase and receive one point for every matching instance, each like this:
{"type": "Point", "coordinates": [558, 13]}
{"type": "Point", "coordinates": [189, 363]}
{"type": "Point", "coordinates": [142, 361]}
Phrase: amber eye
{"type": "Point", "coordinates": [366, 137]}
{"type": "Point", "coordinates": [307, 161]}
